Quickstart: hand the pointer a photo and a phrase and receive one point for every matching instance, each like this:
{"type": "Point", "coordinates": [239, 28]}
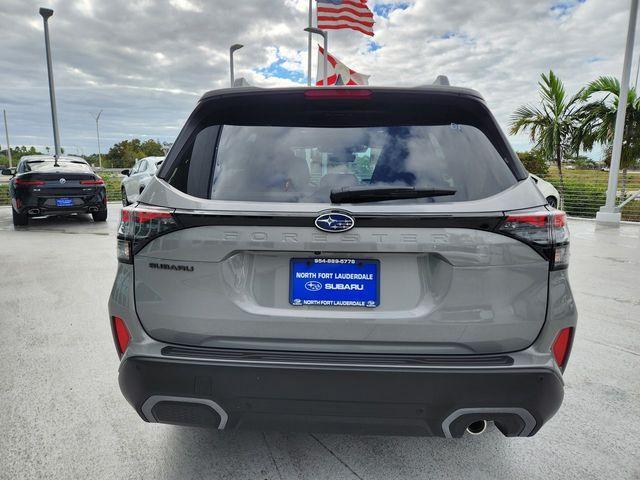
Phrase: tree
{"type": "Point", "coordinates": [599, 123]}
{"type": "Point", "coordinates": [152, 148]}
{"type": "Point", "coordinates": [125, 153]}
{"type": "Point", "coordinates": [583, 162]}
{"type": "Point", "coordinates": [552, 125]}
{"type": "Point", "coordinates": [18, 152]}
{"type": "Point", "coordinates": [534, 162]}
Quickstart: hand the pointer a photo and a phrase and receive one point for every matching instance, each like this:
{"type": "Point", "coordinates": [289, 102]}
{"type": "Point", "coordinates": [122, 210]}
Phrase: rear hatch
{"type": "Point", "coordinates": [241, 242]}
{"type": "Point", "coordinates": [71, 181]}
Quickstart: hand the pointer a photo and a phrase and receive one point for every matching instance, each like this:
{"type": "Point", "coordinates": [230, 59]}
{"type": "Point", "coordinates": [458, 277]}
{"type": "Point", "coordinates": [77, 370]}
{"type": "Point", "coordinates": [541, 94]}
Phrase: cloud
{"type": "Point", "coordinates": [185, 5]}
{"type": "Point", "coordinates": [147, 62]}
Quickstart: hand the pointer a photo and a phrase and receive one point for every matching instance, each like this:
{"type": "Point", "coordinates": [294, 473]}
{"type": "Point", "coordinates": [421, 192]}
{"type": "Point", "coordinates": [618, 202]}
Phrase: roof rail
{"type": "Point", "coordinates": [442, 80]}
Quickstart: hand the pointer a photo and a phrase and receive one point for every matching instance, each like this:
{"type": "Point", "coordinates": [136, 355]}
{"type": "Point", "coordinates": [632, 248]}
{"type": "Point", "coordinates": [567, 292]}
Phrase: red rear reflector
{"type": "Point", "coordinates": [122, 334]}
{"type": "Point", "coordinates": [29, 182]}
{"type": "Point", "coordinates": [561, 346]}
{"type": "Point", "coordinates": [335, 94]}
{"type": "Point", "coordinates": [97, 181]}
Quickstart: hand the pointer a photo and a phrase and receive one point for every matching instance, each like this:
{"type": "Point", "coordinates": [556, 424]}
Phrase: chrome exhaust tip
{"type": "Point", "coordinates": [477, 428]}
{"type": "Point", "coordinates": [33, 211]}
{"type": "Point", "coordinates": [93, 209]}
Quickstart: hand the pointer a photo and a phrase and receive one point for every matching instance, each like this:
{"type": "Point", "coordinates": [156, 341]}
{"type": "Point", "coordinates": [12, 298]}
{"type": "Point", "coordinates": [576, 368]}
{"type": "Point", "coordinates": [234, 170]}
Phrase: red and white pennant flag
{"type": "Point", "coordinates": [337, 14]}
{"type": "Point", "coordinates": [337, 72]}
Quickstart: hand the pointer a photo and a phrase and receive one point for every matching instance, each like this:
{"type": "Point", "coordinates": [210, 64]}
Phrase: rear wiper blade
{"type": "Point", "coordinates": [369, 194]}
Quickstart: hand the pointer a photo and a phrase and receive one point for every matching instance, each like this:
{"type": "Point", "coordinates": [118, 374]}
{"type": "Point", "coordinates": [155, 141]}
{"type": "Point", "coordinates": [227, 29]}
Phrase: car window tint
{"type": "Point", "coordinates": [196, 155]}
{"type": "Point", "coordinates": [34, 166]}
{"type": "Point", "coordinates": [303, 164]}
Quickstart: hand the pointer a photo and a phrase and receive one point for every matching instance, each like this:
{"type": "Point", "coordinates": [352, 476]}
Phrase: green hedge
{"type": "Point", "coordinates": [113, 186]}
{"type": "Point", "coordinates": [583, 198]}
{"type": "Point", "coordinates": [4, 194]}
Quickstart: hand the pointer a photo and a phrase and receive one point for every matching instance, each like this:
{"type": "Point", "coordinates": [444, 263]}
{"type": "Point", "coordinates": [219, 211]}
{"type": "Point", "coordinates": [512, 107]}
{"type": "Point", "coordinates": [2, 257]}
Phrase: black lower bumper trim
{"type": "Point", "coordinates": [338, 358]}
{"type": "Point", "coordinates": [373, 400]}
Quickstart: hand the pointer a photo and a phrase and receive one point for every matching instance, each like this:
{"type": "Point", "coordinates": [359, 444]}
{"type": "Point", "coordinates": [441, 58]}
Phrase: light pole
{"type": "Point", "coordinates": [6, 131]}
{"type": "Point", "coordinates": [637, 73]}
{"type": "Point", "coordinates": [46, 13]}
{"type": "Point", "coordinates": [232, 50]}
{"type": "Point", "coordinates": [309, 44]}
{"type": "Point", "coordinates": [609, 214]}
{"type": "Point", "coordinates": [325, 37]}
{"type": "Point", "coordinates": [98, 135]}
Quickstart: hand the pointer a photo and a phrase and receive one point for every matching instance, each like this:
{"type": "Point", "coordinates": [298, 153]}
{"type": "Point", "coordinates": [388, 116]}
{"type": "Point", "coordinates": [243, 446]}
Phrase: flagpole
{"type": "Point", "coordinates": [309, 44]}
{"type": "Point", "coordinates": [326, 56]}
{"type": "Point", "coordinates": [325, 36]}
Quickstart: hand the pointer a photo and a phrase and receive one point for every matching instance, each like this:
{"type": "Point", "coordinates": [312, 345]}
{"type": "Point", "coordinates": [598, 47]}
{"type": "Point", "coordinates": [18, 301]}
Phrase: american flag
{"type": "Point", "coordinates": [353, 14]}
{"type": "Point", "coordinates": [338, 73]}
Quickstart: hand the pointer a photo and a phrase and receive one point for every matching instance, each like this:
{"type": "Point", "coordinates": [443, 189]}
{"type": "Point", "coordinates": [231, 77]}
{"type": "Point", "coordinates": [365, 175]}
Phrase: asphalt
{"type": "Point", "coordinates": [62, 414]}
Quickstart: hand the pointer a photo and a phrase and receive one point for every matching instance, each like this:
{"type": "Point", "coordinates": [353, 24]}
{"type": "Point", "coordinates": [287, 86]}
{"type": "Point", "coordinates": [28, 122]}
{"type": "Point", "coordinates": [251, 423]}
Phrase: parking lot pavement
{"type": "Point", "coordinates": [62, 414]}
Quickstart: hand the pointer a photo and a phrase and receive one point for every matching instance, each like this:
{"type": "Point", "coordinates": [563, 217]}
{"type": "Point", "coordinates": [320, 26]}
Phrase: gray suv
{"type": "Point", "coordinates": [371, 260]}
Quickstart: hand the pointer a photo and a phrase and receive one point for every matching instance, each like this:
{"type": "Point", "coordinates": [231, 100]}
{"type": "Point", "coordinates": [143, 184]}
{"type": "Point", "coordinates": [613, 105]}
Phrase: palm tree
{"type": "Point", "coordinates": [553, 124]}
{"type": "Point", "coordinates": [599, 122]}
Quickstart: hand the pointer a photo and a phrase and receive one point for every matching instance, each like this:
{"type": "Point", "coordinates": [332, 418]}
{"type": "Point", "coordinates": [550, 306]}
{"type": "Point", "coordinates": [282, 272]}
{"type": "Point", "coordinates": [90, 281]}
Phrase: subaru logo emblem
{"type": "Point", "coordinates": [313, 286]}
{"type": "Point", "coordinates": [335, 222]}
{"type": "Point", "coordinates": [63, 180]}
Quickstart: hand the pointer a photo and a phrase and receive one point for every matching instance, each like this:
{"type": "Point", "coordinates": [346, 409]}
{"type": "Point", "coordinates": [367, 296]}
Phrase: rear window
{"type": "Point", "coordinates": [287, 146]}
{"type": "Point", "coordinates": [35, 165]}
{"type": "Point", "coordinates": [304, 164]}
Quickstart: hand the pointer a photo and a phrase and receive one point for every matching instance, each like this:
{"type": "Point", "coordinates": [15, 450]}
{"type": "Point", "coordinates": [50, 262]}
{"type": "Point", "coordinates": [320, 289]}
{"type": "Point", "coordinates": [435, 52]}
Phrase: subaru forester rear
{"type": "Point", "coordinates": [355, 260]}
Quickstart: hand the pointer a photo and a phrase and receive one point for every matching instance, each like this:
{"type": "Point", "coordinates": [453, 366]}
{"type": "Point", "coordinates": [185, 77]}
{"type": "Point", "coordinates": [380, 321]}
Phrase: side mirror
{"type": "Point", "coordinates": [9, 171]}
{"type": "Point", "coordinates": [126, 172]}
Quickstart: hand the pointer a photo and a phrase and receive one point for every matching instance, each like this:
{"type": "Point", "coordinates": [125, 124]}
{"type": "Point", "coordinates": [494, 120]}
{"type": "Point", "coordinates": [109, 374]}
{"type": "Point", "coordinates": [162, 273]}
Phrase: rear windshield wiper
{"type": "Point", "coordinates": [369, 194]}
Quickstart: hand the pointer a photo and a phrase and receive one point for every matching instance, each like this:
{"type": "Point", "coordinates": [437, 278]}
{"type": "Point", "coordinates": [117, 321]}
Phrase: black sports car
{"type": "Point", "coordinates": [40, 185]}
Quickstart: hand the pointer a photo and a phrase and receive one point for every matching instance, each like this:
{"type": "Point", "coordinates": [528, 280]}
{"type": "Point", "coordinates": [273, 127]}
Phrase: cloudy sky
{"type": "Point", "coordinates": [146, 62]}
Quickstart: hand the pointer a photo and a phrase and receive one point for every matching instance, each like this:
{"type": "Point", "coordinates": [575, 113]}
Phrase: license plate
{"type": "Point", "coordinates": [334, 282]}
{"type": "Point", "coordinates": [64, 202]}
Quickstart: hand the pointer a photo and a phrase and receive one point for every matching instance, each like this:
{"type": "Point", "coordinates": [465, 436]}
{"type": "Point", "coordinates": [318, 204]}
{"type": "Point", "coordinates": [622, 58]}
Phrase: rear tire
{"type": "Point", "coordinates": [99, 216]}
{"type": "Point", "coordinates": [125, 201]}
{"type": "Point", "coordinates": [19, 219]}
{"type": "Point", "coordinates": [552, 201]}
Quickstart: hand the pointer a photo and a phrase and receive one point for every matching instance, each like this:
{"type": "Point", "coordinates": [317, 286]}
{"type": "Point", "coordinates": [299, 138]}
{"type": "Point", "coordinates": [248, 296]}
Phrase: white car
{"type": "Point", "coordinates": [548, 190]}
{"type": "Point", "coordinates": [137, 178]}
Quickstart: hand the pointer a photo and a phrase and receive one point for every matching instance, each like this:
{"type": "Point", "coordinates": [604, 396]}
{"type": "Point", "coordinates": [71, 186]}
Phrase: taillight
{"type": "Point", "coordinates": [121, 335]}
{"type": "Point", "coordinates": [562, 345]}
{"type": "Point", "coordinates": [139, 225]}
{"type": "Point", "coordinates": [97, 181]}
{"type": "Point", "coordinates": [546, 231]}
{"type": "Point", "coordinates": [338, 94]}
{"type": "Point", "coordinates": [19, 181]}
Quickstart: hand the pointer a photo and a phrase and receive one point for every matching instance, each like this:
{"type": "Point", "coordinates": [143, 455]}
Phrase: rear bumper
{"type": "Point", "coordinates": [36, 205]}
{"type": "Point", "coordinates": [310, 396]}
{"type": "Point", "coordinates": [36, 210]}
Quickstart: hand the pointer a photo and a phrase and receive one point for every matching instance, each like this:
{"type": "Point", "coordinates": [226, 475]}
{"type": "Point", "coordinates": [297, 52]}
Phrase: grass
{"type": "Point", "coordinates": [584, 192]}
